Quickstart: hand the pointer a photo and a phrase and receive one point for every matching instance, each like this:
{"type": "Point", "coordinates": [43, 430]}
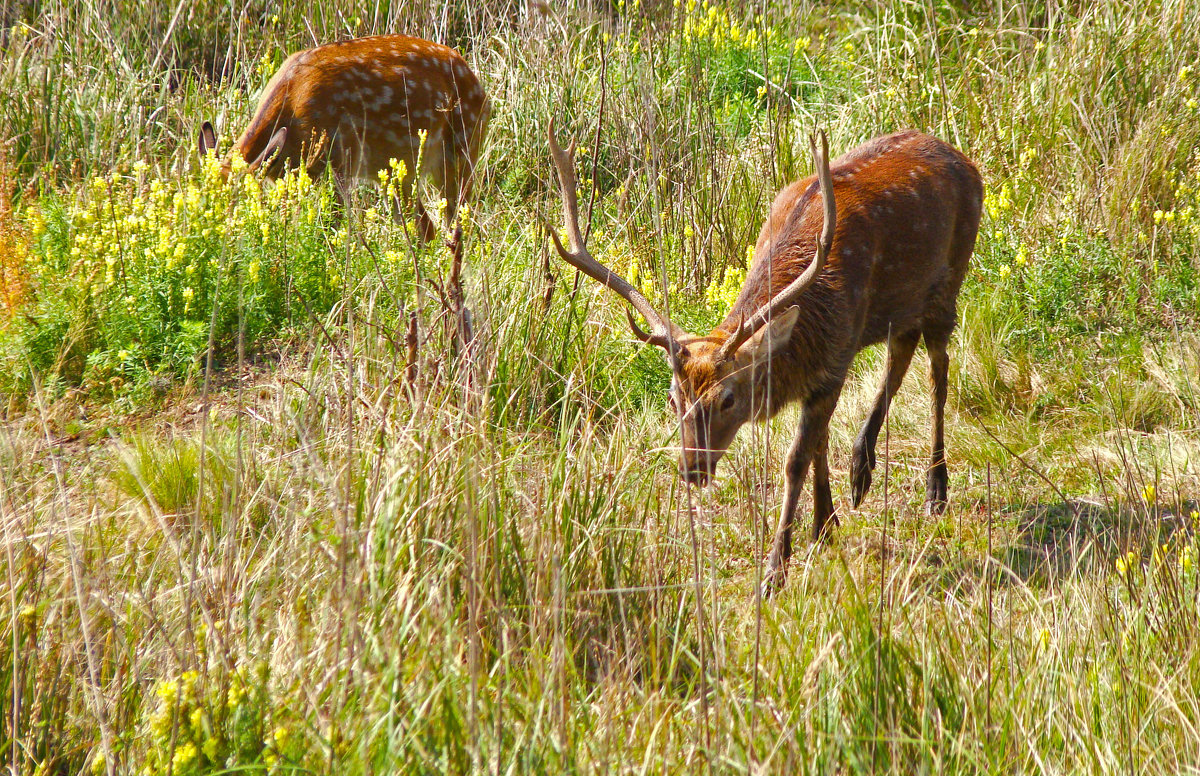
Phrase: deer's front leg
{"type": "Point", "coordinates": [814, 425]}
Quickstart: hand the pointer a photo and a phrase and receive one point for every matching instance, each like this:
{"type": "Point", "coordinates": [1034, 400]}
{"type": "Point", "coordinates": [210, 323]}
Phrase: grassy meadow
{"type": "Point", "coordinates": [265, 511]}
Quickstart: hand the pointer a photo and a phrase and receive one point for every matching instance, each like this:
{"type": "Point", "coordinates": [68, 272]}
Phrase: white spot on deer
{"type": "Point", "coordinates": [399, 70]}
{"type": "Point", "coordinates": [385, 95]}
{"type": "Point", "coordinates": [461, 70]}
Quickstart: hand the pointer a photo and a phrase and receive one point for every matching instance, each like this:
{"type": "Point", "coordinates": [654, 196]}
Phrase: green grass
{"type": "Point", "coordinates": [308, 548]}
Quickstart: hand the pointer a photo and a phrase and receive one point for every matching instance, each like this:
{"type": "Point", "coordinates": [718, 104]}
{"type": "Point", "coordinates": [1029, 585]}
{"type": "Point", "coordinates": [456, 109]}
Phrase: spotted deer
{"type": "Point", "coordinates": [871, 248]}
{"type": "Point", "coordinates": [358, 104]}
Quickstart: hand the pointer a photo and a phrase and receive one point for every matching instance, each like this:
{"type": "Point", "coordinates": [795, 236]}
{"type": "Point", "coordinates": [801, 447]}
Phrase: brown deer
{"type": "Point", "coordinates": [358, 104]}
{"type": "Point", "coordinates": [885, 263]}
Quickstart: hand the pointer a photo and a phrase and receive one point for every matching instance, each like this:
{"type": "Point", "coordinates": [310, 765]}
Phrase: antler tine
{"type": "Point", "coordinates": [663, 333]}
{"type": "Point", "coordinates": [788, 296]}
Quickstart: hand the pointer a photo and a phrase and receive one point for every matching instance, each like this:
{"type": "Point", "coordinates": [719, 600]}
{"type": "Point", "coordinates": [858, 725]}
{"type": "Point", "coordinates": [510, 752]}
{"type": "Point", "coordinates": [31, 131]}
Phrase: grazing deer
{"type": "Point", "coordinates": [358, 104]}
{"type": "Point", "coordinates": [884, 263]}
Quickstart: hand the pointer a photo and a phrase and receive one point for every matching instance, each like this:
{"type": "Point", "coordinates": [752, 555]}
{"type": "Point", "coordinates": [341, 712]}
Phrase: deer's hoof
{"type": "Point", "coordinates": [860, 477]}
{"type": "Point", "coordinates": [936, 487]}
{"type": "Point", "coordinates": [773, 581]}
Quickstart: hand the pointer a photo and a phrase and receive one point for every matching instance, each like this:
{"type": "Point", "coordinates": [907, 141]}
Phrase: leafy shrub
{"type": "Point", "coordinates": [126, 279]}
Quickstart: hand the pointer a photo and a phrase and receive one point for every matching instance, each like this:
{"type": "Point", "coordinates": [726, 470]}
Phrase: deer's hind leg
{"type": "Point", "coordinates": [862, 462]}
{"type": "Point", "coordinates": [937, 481]}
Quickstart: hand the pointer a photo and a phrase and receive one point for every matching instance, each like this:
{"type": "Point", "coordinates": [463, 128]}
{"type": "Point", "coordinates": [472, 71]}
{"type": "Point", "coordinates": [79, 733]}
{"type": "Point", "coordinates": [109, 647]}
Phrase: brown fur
{"type": "Point", "coordinates": [908, 209]}
{"type": "Point", "coordinates": [357, 104]}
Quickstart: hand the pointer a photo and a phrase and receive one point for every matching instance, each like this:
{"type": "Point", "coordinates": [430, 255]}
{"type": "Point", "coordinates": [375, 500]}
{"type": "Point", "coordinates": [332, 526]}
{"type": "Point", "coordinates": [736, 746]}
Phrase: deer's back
{"type": "Point", "coordinates": [908, 208]}
{"type": "Point", "coordinates": [372, 98]}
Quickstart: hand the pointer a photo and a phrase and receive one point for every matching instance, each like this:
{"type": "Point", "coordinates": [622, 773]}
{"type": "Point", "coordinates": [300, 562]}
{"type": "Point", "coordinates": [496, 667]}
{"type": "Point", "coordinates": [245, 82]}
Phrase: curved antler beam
{"type": "Point", "coordinates": [662, 332]}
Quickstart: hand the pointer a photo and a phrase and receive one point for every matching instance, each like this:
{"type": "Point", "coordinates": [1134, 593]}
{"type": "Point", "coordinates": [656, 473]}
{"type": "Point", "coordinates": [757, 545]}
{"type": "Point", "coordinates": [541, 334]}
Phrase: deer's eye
{"type": "Point", "coordinates": [727, 401]}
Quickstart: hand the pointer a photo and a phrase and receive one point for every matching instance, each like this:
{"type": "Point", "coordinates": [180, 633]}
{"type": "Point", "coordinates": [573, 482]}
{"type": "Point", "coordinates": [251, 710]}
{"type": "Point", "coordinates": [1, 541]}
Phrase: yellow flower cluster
{"type": "Point", "coordinates": [392, 180]}
{"type": "Point", "coordinates": [196, 730]}
{"type": "Point", "coordinates": [1182, 220]}
{"type": "Point", "coordinates": [144, 256]}
{"type": "Point", "coordinates": [707, 23]}
{"type": "Point", "coordinates": [1183, 553]}
{"type": "Point", "coordinates": [722, 294]}
{"type": "Point", "coordinates": [997, 203]}
{"type": "Point", "coordinates": [122, 230]}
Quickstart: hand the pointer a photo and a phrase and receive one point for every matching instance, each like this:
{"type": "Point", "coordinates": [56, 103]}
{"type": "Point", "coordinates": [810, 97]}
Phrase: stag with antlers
{"type": "Point", "coordinates": [871, 248]}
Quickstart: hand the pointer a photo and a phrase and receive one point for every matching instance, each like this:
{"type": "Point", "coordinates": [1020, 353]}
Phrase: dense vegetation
{"type": "Point", "coordinates": [263, 511]}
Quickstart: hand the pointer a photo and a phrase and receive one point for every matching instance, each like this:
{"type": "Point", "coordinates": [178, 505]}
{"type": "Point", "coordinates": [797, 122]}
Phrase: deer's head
{"type": "Point", "coordinates": [207, 142]}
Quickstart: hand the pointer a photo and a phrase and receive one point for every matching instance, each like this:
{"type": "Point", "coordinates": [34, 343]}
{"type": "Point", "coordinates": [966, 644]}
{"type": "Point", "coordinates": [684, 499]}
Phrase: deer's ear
{"type": "Point", "coordinates": [208, 139]}
{"type": "Point", "coordinates": [273, 147]}
{"type": "Point", "coordinates": [770, 339]}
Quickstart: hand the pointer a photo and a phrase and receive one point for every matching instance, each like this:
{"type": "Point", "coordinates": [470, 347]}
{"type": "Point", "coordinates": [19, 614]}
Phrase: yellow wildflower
{"type": "Point", "coordinates": [184, 755]}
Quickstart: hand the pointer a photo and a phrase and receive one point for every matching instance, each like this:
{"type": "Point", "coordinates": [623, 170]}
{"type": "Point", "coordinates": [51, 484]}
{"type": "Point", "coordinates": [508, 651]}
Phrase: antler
{"type": "Point", "coordinates": [662, 332]}
{"type": "Point", "coordinates": [788, 296]}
